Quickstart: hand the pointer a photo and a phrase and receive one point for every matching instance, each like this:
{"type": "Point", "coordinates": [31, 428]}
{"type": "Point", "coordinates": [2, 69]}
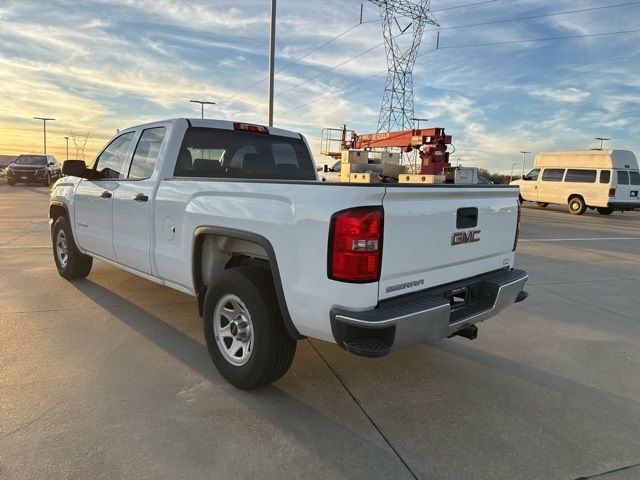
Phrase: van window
{"type": "Point", "coordinates": [623, 178]}
{"type": "Point", "coordinates": [605, 176]}
{"type": "Point", "coordinates": [635, 178]}
{"type": "Point", "coordinates": [552, 174]}
{"type": "Point", "coordinates": [580, 176]}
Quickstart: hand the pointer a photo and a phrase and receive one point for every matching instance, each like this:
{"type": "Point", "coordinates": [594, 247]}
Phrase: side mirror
{"type": "Point", "coordinates": [76, 168]}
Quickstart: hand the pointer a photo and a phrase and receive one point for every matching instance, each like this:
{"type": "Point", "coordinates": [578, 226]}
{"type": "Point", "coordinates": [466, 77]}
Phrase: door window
{"type": "Point", "coordinates": [111, 162]}
{"type": "Point", "coordinates": [605, 176]}
{"type": "Point", "coordinates": [623, 178]}
{"type": "Point", "coordinates": [533, 174]}
{"type": "Point", "coordinates": [146, 155]}
{"type": "Point", "coordinates": [552, 174]}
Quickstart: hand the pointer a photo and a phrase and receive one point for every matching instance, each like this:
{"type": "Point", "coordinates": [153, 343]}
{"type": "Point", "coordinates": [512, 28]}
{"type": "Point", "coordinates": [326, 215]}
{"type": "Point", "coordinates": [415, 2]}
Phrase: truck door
{"type": "Point", "coordinates": [93, 199]}
{"type": "Point", "coordinates": [132, 231]}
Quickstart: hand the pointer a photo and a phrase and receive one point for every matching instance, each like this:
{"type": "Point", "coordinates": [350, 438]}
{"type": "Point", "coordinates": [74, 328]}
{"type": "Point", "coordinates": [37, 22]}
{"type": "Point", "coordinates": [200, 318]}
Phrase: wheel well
{"type": "Point", "coordinates": [56, 211]}
{"type": "Point", "coordinates": [215, 252]}
{"type": "Point", "coordinates": [574, 195]}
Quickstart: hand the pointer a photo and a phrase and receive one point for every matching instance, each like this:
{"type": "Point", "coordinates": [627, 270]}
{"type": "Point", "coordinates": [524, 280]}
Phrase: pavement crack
{"type": "Point", "coordinates": [373, 423]}
{"type": "Point", "coordinates": [30, 422]}
{"type": "Point", "coordinates": [608, 472]}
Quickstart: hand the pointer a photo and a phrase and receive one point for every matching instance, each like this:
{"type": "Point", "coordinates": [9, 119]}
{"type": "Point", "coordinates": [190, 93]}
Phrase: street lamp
{"type": "Point", "coordinates": [524, 156]}
{"type": "Point", "coordinates": [44, 127]}
{"type": "Point", "coordinates": [418, 120]}
{"type": "Point", "coordinates": [512, 165]}
{"type": "Point", "coordinates": [202, 104]}
{"type": "Point", "coordinates": [67, 139]}
{"type": "Point", "coordinates": [602, 140]}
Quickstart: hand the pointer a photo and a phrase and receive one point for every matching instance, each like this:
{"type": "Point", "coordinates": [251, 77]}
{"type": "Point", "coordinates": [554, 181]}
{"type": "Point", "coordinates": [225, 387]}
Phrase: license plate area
{"type": "Point", "coordinates": [457, 298]}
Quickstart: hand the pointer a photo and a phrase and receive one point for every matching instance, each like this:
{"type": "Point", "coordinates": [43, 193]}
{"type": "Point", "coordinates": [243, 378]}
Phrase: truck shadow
{"type": "Point", "coordinates": [318, 433]}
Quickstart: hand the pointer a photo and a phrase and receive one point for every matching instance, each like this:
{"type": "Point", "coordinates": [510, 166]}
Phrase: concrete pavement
{"type": "Point", "coordinates": [109, 377]}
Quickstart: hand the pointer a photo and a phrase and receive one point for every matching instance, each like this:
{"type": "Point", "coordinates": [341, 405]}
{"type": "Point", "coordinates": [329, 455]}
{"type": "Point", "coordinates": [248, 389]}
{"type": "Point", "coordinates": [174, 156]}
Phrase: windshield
{"type": "Point", "coordinates": [31, 160]}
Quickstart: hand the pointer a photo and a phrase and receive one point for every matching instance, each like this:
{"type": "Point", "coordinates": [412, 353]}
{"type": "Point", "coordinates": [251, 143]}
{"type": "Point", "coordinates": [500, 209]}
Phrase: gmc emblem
{"type": "Point", "coordinates": [471, 236]}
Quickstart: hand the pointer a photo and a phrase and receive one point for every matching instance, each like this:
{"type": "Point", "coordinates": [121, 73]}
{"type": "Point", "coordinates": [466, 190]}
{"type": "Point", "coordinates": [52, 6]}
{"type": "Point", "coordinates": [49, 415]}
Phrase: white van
{"type": "Point", "coordinates": [606, 180]}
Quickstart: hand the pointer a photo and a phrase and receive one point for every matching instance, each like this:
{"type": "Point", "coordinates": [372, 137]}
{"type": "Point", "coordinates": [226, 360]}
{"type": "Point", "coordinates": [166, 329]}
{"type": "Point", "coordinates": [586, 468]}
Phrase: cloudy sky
{"type": "Point", "coordinates": [103, 65]}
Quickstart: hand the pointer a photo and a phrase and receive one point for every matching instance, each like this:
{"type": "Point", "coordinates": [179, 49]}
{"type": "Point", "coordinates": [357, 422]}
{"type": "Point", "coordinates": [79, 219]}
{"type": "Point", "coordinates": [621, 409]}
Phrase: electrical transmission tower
{"type": "Point", "coordinates": [403, 22]}
{"type": "Point", "coordinates": [80, 142]}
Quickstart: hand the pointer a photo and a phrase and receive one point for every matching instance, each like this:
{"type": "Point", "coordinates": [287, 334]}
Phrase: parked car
{"type": "Point", "coordinates": [32, 168]}
{"type": "Point", "coordinates": [606, 180]}
{"type": "Point", "coordinates": [235, 215]}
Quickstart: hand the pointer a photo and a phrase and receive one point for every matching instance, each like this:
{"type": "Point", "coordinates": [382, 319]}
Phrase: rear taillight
{"type": "Point", "coordinates": [248, 127]}
{"type": "Point", "coordinates": [515, 240]}
{"type": "Point", "coordinates": [355, 245]}
{"type": "Point", "coordinates": [612, 192]}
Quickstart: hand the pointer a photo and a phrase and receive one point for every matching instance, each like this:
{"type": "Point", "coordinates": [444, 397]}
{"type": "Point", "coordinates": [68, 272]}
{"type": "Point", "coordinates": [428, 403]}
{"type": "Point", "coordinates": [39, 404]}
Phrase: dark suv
{"type": "Point", "coordinates": [33, 168]}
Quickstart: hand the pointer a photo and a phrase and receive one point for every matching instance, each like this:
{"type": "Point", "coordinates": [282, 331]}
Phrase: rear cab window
{"type": "Point", "coordinates": [220, 153]}
{"type": "Point", "coordinates": [605, 176]}
{"type": "Point", "coordinates": [552, 174]}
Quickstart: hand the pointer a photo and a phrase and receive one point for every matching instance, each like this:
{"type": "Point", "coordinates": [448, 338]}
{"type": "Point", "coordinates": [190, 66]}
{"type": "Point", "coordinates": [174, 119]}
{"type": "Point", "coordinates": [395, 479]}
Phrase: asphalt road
{"type": "Point", "coordinates": [109, 378]}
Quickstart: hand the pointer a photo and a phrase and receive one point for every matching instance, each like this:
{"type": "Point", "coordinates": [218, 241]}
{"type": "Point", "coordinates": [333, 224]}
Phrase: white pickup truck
{"type": "Point", "coordinates": [234, 214]}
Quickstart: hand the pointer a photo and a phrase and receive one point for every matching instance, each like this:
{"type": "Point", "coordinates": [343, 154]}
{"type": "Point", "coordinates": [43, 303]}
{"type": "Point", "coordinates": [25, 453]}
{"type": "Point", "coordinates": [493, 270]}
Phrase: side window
{"type": "Point", "coordinates": [146, 155]}
{"type": "Point", "coordinates": [580, 176]}
{"type": "Point", "coordinates": [605, 176]}
{"type": "Point", "coordinates": [533, 174]}
{"type": "Point", "coordinates": [552, 174]}
{"type": "Point", "coordinates": [623, 178]}
{"type": "Point", "coordinates": [113, 159]}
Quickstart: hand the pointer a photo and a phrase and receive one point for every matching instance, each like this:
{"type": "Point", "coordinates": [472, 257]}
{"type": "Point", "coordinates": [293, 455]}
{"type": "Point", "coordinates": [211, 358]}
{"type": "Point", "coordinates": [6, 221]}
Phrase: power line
{"type": "Point", "coordinates": [464, 6]}
{"type": "Point", "coordinates": [566, 37]}
{"type": "Point", "coordinates": [297, 60]}
{"type": "Point", "coordinates": [450, 28]}
{"type": "Point", "coordinates": [531, 17]}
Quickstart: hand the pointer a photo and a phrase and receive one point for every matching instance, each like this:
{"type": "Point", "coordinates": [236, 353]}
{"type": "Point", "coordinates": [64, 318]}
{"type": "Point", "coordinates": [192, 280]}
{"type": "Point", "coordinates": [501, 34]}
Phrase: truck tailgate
{"type": "Point", "coordinates": [431, 237]}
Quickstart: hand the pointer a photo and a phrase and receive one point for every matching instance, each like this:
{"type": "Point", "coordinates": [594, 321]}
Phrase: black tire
{"type": "Point", "coordinates": [272, 349]}
{"type": "Point", "coordinates": [577, 206]}
{"type": "Point", "coordinates": [74, 265]}
{"type": "Point", "coordinates": [47, 180]}
{"type": "Point", "coordinates": [604, 210]}
{"type": "Point", "coordinates": [542, 204]}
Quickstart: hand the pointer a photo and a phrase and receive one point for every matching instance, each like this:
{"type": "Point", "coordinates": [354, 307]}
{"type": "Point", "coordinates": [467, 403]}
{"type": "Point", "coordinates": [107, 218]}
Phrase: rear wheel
{"type": "Point", "coordinates": [542, 204]}
{"type": "Point", "coordinates": [246, 337]}
{"type": "Point", "coordinates": [70, 262]}
{"type": "Point", "coordinates": [577, 206]}
{"type": "Point", "coordinates": [604, 210]}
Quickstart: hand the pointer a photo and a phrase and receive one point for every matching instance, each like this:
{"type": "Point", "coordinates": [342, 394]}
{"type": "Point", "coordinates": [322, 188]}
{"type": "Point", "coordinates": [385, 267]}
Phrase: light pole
{"type": "Point", "coordinates": [418, 120]}
{"type": "Point", "coordinates": [67, 139]}
{"type": "Point", "coordinates": [272, 58]}
{"type": "Point", "coordinates": [44, 128]}
{"type": "Point", "coordinates": [202, 104]}
{"type": "Point", "coordinates": [602, 140]}
{"type": "Point", "coordinates": [524, 156]}
{"type": "Point", "coordinates": [512, 165]}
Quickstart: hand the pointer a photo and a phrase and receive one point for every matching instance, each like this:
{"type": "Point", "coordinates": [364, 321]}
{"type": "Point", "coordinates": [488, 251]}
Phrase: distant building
{"type": "Point", "coordinates": [6, 160]}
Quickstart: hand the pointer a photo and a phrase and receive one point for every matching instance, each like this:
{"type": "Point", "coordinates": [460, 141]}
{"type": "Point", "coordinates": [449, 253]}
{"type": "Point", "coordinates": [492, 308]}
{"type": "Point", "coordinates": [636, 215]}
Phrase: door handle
{"type": "Point", "coordinates": [140, 197]}
{"type": "Point", "coordinates": [106, 194]}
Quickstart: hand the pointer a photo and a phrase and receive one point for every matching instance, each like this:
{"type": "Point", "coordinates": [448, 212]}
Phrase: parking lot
{"type": "Point", "coordinates": [109, 377]}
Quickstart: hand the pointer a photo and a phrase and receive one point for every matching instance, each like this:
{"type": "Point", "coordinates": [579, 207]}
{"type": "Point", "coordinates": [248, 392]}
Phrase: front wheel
{"type": "Point", "coordinates": [246, 337]}
{"type": "Point", "coordinates": [577, 206]}
{"type": "Point", "coordinates": [70, 262]}
{"type": "Point", "coordinates": [604, 210]}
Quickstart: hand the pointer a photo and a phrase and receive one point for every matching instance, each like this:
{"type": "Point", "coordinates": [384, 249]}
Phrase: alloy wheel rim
{"type": "Point", "coordinates": [62, 249]}
{"type": "Point", "coordinates": [233, 329]}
